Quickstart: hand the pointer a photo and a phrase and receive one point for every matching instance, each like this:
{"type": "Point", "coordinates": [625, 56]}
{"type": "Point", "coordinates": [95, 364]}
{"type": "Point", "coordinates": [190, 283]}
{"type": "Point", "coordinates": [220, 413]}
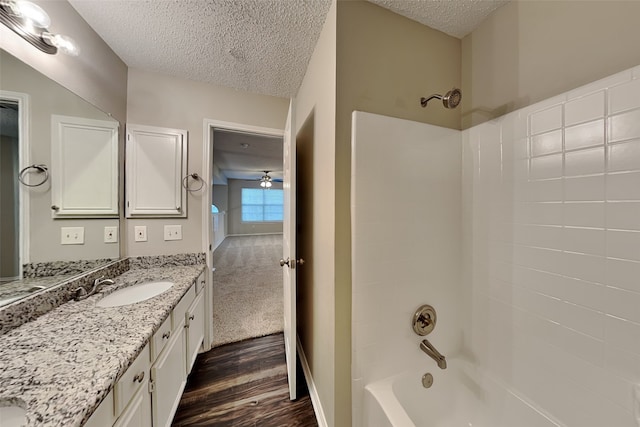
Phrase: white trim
{"type": "Point", "coordinates": [24, 159]}
{"type": "Point", "coordinates": [208, 125]}
{"type": "Point", "coordinates": [313, 392]}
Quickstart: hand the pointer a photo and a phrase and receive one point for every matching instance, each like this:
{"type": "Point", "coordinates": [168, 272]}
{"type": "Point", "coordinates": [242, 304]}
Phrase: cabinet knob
{"type": "Point", "coordinates": [166, 335]}
{"type": "Point", "coordinates": [193, 316]}
{"type": "Point", "coordinates": [139, 377]}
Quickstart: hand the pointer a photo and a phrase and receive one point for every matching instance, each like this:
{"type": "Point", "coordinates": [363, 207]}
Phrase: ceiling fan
{"type": "Point", "coordinates": [266, 181]}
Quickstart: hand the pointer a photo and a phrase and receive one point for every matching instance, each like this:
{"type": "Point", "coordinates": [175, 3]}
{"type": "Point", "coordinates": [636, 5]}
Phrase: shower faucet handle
{"type": "Point", "coordinates": [424, 320]}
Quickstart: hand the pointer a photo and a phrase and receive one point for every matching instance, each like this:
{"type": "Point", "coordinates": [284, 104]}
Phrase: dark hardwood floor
{"type": "Point", "coordinates": [244, 384]}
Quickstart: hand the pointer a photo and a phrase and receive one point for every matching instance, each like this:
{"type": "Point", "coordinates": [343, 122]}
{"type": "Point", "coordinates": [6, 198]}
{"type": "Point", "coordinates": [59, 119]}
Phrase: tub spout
{"type": "Point", "coordinates": [431, 351]}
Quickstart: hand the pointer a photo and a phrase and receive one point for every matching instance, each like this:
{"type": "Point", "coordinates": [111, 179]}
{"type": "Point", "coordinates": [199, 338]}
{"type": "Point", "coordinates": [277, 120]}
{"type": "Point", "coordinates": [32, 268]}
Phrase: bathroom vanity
{"type": "Point", "coordinates": [125, 365]}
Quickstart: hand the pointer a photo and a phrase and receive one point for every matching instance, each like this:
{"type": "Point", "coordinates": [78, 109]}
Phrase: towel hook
{"type": "Point", "coordinates": [195, 176]}
{"type": "Point", "coordinates": [39, 169]}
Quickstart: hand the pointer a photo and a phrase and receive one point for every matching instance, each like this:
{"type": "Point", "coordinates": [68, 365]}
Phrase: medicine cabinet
{"type": "Point", "coordinates": [155, 165]}
{"type": "Point", "coordinates": [84, 166]}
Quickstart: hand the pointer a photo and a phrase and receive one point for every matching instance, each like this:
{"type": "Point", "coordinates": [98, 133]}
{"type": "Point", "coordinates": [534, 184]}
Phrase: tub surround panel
{"type": "Point", "coordinates": [552, 232]}
{"type": "Point", "coordinates": [61, 365]}
{"type": "Point", "coordinates": [394, 271]}
{"type": "Point", "coordinates": [34, 306]}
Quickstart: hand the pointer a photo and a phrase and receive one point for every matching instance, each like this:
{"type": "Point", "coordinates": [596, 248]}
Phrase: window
{"type": "Point", "coordinates": [260, 205]}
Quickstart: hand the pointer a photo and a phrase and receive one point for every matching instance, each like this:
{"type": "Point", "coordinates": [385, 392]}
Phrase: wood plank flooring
{"type": "Point", "coordinates": [244, 384]}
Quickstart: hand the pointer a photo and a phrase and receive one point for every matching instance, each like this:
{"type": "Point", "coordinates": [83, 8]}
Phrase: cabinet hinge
{"type": "Point", "coordinates": [152, 386]}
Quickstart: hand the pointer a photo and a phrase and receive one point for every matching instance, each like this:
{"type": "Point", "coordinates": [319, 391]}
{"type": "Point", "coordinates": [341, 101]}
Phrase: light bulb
{"type": "Point", "coordinates": [65, 43]}
{"type": "Point", "coordinates": [32, 13]}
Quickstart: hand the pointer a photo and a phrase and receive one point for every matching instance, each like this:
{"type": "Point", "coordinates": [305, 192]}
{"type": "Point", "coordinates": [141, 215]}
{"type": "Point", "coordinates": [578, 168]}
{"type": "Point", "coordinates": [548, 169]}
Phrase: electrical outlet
{"type": "Point", "coordinates": [140, 233]}
{"type": "Point", "coordinates": [72, 235]}
{"type": "Point", "coordinates": [172, 232]}
{"type": "Point", "coordinates": [111, 234]}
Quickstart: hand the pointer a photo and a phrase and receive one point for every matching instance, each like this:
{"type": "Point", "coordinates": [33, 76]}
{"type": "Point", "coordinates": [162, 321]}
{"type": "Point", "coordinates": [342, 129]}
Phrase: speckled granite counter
{"type": "Point", "coordinates": [60, 366]}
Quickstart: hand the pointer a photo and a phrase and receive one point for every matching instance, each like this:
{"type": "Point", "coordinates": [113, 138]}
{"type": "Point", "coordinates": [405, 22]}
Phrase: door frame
{"type": "Point", "coordinates": [24, 159]}
{"type": "Point", "coordinates": [209, 125]}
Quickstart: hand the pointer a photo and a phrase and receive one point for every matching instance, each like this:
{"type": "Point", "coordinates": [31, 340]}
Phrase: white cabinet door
{"type": "Point", "coordinates": [138, 412]}
{"type": "Point", "coordinates": [84, 167]}
{"type": "Point", "coordinates": [169, 378]}
{"type": "Point", "coordinates": [156, 164]}
{"type": "Point", "coordinates": [103, 416]}
{"type": "Point", "coordinates": [195, 330]}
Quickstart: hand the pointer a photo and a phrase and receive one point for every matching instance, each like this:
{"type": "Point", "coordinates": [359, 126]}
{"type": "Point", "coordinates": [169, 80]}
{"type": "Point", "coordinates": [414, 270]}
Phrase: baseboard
{"type": "Point", "coordinates": [313, 392]}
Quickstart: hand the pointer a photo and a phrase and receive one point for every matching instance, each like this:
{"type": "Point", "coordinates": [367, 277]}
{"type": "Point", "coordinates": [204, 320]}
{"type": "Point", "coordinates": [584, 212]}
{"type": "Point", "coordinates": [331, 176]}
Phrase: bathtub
{"type": "Point", "coordinates": [461, 396]}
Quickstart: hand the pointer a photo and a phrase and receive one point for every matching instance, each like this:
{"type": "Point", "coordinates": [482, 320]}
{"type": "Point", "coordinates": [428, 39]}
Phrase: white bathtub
{"type": "Point", "coordinates": [460, 396]}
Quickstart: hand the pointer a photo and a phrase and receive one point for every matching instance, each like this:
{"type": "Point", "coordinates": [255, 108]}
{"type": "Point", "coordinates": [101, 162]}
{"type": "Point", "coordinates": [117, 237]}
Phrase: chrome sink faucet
{"type": "Point", "coordinates": [81, 293]}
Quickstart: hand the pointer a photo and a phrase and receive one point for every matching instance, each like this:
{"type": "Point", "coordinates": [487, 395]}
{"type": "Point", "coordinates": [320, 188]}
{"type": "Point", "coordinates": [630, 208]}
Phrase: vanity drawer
{"type": "Point", "coordinates": [130, 382]}
{"type": "Point", "coordinates": [160, 338]}
{"type": "Point", "coordinates": [178, 313]}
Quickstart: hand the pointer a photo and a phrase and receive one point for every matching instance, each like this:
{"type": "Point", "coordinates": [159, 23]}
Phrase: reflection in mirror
{"type": "Point", "coordinates": [38, 248]}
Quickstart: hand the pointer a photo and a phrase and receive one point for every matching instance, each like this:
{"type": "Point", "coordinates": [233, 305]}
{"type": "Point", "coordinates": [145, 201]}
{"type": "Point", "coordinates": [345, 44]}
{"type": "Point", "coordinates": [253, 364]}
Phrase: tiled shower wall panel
{"type": "Point", "coordinates": [405, 212]}
{"type": "Point", "coordinates": [551, 223]}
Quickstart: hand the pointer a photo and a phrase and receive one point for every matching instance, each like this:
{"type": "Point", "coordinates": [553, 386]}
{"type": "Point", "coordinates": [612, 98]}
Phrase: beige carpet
{"type": "Point", "coordinates": [247, 288]}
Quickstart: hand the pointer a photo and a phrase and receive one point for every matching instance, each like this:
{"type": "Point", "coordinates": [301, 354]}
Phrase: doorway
{"type": "Point", "coordinates": [252, 237]}
{"type": "Point", "coordinates": [248, 199]}
{"type": "Point", "coordinates": [14, 155]}
{"type": "Point", "coordinates": [9, 189]}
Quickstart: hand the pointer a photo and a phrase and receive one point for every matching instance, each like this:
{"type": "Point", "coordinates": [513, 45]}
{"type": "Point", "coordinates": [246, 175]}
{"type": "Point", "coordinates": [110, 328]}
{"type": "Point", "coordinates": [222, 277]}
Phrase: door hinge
{"type": "Point", "coordinates": [152, 386]}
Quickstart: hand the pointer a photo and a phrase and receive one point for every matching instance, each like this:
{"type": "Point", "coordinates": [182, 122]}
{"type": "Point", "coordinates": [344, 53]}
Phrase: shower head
{"type": "Point", "coordinates": [450, 99]}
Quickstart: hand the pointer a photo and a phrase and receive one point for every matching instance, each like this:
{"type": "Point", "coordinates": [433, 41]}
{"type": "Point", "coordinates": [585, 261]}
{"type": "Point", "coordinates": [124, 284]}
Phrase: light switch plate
{"type": "Point", "coordinates": [140, 233]}
{"type": "Point", "coordinates": [72, 235]}
{"type": "Point", "coordinates": [111, 234]}
{"type": "Point", "coordinates": [172, 232]}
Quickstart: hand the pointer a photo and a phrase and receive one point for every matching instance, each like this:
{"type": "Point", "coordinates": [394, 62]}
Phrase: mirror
{"type": "Point", "coordinates": [32, 254]}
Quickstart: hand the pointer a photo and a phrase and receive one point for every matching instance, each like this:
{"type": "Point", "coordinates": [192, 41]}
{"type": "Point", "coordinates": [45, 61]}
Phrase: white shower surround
{"type": "Point", "coordinates": [534, 271]}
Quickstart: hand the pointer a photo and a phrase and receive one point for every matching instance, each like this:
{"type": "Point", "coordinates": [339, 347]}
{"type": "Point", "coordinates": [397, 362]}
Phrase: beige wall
{"type": "Point", "coordinates": [315, 102]}
{"type": "Point", "coordinates": [528, 51]}
{"type": "Point", "coordinates": [160, 100]}
{"type": "Point", "coordinates": [385, 63]}
{"type": "Point", "coordinates": [234, 211]}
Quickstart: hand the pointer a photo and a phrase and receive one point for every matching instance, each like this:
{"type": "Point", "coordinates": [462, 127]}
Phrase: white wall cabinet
{"type": "Point", "coordinates": [156, 163]}
{"type": "Point", "coordinates": [84, 167]}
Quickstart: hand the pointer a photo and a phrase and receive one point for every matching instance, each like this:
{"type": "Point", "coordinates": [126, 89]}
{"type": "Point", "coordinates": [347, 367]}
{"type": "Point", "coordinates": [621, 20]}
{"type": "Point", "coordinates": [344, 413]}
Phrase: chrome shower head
{"type": "Point", "coordinates": [451, 99]}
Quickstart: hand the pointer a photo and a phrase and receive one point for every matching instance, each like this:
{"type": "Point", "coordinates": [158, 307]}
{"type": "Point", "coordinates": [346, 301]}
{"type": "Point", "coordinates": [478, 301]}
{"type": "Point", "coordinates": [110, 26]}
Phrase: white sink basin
{"type": "Point", "coordinates": [12, 416]}
{"type": "Point", "coordinates": [134, 294]}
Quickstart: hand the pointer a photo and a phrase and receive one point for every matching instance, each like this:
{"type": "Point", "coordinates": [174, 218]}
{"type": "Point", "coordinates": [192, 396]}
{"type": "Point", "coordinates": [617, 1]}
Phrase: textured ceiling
{"type": "Point", "coordinates": [454, 17]}
{"type": "Point", "coordinates": [260, 46]}
{"type": "Point", "coordinates": [246, 156]}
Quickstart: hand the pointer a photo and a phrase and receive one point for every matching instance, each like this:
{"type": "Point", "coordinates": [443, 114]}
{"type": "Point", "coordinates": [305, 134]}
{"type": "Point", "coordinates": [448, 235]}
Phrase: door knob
{"type": "Point", "coordinates": [283, 262]}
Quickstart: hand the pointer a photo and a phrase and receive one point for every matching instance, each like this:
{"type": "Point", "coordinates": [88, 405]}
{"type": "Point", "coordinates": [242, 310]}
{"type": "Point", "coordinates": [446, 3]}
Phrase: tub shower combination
{"type": "Point", "coordinates": [524, 233]}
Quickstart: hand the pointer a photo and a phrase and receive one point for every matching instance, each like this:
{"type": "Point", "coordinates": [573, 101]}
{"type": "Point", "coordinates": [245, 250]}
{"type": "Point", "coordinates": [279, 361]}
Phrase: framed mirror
{"type": "Point", "coordinates": [38, 246]}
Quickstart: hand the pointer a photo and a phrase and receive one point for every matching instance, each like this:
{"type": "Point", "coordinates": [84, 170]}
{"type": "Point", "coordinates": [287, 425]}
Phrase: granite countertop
{"type": "Point", "coordinates": [60, 366]}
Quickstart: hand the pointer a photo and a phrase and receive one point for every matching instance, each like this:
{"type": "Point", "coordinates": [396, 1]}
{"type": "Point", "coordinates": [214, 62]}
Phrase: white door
{"type": "Point", "coordinates": [289, 248]}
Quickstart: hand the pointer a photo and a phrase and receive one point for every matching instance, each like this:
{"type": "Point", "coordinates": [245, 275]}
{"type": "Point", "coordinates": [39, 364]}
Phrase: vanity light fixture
{"type": "Point", "coordinates": [31, 22]}
{"type": "Point", "coordinates": [265, 181]}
